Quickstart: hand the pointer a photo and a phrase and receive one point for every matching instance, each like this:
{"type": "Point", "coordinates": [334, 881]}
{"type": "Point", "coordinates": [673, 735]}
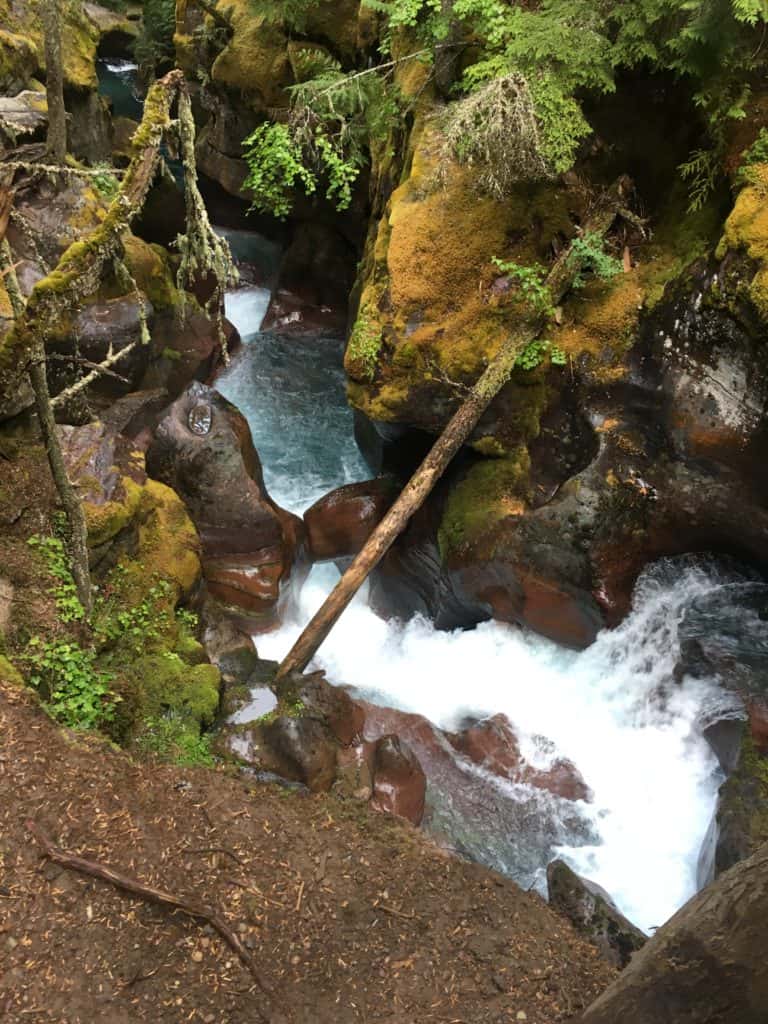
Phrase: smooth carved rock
{"type": "Point", "coordinates": [399, 784]}
{"type": "Point", "coordinates": [592, 912]}
{"type": "Point", "coordinates": [339, 524]}
{"type": "Point", "coordinates": [704, 966]}
{"type": "Point", "coordinates": [253, 551]}
{"type": "Point", "coordinates": [492, 744]}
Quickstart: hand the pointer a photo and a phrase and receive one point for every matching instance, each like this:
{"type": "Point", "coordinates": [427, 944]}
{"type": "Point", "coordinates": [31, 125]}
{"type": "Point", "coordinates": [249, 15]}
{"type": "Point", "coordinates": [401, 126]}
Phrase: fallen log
{"type": "Point", "coordinates": [93, 869]}
{"type": "Point", "coordinates": [559, 281]}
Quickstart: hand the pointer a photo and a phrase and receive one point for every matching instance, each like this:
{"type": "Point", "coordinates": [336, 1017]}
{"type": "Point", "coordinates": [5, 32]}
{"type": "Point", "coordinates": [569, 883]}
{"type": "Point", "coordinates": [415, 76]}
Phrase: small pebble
{"type": "Point", "coordinates": [522, 1015]}
{"type": "Point", "coordinates": [197, 955]}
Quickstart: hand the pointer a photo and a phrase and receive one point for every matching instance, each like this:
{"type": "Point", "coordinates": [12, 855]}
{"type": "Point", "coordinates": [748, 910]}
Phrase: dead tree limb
{"type": "Point", "coordinates": [93, 869]}
{"type": "Point", "coordinates": [460, 426]}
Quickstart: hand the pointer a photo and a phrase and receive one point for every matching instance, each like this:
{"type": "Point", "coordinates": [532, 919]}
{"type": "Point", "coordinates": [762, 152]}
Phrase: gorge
{"type": "Point", "coordinates": [559, 666]}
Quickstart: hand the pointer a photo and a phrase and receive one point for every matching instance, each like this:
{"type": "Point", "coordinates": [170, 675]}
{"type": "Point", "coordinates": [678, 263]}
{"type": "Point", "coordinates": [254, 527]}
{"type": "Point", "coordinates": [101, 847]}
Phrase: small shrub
{"type": "Point", "coordinates": [173, 738]}
{"type": "Point", "coordinates": [530, 283]}
{"type": "Point", "coordinates": [364, 345]}
{"type": "Point", "coordinates": [74, 692]}
{"type": "Point", "coordinates": [588, 256]}
{"type": "Point", "coordinates": [56, 561]}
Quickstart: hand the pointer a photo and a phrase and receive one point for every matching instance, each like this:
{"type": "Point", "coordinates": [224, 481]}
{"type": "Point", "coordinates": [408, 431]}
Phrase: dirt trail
{"type": "Point", "coordinates": [353, 917]}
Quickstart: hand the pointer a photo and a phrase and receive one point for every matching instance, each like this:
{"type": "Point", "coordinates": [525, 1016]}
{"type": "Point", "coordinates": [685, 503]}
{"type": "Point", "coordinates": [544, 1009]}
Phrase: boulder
{"type": "Point", "coordinates": [706, 965]}
{"type": "Point", "coordinates": [339, 524]}
{"type": "Point", "coordinates": [492, 744]}
{"type": "Point", "coordinates": [742, 807]}
{"type": "Point", "coordinates": [592, 912]}
{"type": "Point", "coordinates": [253, 551]}
{"type": "Point", "coordinates": [398, 781]}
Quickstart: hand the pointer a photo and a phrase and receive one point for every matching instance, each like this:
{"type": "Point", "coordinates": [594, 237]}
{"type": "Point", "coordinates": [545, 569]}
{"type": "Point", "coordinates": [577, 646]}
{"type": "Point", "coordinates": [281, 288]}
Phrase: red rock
{"type": "Point", "coordinates": [253, 550]}
{"type": "Point", "coordinates": [758, 723]}
{"type": "Point", "coordinates": [399, 783]}
{"type": "Point", "coordinates": [492, 744]}
{"type": "Point", "coordinates": [339, 524]}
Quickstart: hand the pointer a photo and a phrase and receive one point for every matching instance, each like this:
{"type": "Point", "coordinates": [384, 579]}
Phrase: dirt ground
{"type": "Point", "coordinates": [353, 917]}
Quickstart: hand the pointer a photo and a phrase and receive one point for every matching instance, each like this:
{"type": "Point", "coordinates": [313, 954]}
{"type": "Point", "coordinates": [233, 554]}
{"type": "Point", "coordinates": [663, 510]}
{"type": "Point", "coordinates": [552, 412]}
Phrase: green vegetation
{"type": "Point", "coordinates": [334, 119]}
{"type": "Point", "coordinates": [364, 346]}
{"type": "Point", "coordinates": [56, 561]}
{"type": "Point", "coordinates": [530, 283]}
{"type": "Point", "coordinates": [526, 72]}
{"type": "Point", "coordinates": [154, 47]}
{"type": "Point", "coordinates": [73, 690]}
{"type": "Point", "coordinates": [173, 738]}
{"type": "Point", "coordinates": [588, 255]}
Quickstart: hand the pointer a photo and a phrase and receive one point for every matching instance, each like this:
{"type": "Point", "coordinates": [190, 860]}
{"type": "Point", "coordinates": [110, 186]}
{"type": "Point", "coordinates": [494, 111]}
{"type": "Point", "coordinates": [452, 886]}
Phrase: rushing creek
{"type": "Point", "coordinates": [624, 711]}
{"type": "Point", "coordinates": [621, 711]}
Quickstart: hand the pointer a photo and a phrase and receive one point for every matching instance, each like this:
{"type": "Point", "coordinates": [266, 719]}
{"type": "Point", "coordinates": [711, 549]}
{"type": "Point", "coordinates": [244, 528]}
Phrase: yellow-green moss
{"type": "Point", "coordinates": [9, 674]}
{"type": "Point", "coordinates": [107, 520]}
{"type": "Point", "coordinates": [746, 230]}
{"type": "Point", "coordinates": [490, 491]}
{"type": "Point", "coordinates": [426, 277]}
{"type": "Point", "coordinates": [255, 60]}
{"type": "Point", "coordinates": [151, 269]}
{"type": "Point", "coordinates": [166, 683]}
{"type": "Point", "coordinates": [18, 59]}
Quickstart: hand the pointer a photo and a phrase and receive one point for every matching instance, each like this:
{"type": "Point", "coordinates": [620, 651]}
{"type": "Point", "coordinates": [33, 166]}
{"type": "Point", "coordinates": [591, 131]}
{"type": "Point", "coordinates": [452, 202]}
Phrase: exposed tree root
{"type": "Point", "coordinates": [73, 862]}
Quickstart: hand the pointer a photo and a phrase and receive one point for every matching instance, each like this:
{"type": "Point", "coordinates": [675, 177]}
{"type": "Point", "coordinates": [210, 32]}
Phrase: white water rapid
{"type": "Point", "coordinates": [615, 710]}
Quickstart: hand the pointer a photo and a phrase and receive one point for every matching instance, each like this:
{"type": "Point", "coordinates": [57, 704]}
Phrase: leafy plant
{"type": "Point", "coordinates": [175, 739]}
{"type": "Point", "coordinates": [588, 256]}
{"type": "Point", "coordinates": [74, 692]}
{"type": "Point", "coordinates": [54, 556]}
{"type": "Point", "coordinates": [530, 281]}
{"type": "Point", "coordinates": [105, 182]}
{"type": "Point", "coordinates": [132, 627]}
{"type": "Point", "coordinates": [275, 167]}
{"type": "Point", "coordinates": [534, 353]}
{"type": "Point", "coordinates": [364, 345]}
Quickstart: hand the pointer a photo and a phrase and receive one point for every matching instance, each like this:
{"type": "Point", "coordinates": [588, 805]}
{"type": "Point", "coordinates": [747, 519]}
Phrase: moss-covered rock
{"type": "Point", "coordinates": [742, 813]}
{"type": "Point", "coordinates": [22, 46]}
{"type": "Point", "coordinates": [746, 232]}
{"type": "Point", "coordinates": [9, 674]}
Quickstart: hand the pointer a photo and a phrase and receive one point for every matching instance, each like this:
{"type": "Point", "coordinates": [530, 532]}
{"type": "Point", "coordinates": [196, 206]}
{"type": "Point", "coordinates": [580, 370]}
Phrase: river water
{"type": "Point", "coordinates": [618, 710]}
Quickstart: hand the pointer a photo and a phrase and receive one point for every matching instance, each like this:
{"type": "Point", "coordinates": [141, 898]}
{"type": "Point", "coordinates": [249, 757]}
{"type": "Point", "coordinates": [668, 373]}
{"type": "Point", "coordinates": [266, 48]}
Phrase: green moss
{"type": "Point", "coordinates": [150, 267]}
{"type": "Point", "coordinates": [490, 491]}
{"type": "Point", "coordinates": [744, 797]}
{"type": "Point", "coordinates": [364, 346]}
{"type": "Point", "coordinates": [746, 230]}
{"type": "Point", "coordinates": [9, 674]}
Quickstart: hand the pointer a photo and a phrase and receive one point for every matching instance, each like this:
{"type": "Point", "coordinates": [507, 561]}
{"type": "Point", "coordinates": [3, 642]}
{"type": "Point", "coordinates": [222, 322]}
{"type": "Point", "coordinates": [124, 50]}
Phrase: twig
{"type": "Point", "coordinates": [164, 899]}
{"type": "Point", "coordinates": [214, 849]}
{"type": "Point", "coordinates": [395, 913]}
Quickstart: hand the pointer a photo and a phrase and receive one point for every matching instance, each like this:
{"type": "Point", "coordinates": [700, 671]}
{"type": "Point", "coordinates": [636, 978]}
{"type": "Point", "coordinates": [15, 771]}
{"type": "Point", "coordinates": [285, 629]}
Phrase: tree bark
{"type": "Point", "coordinates": [454, 435]}
{"type": "Point", "coordinates": [56, 143]}
{"type": "Point", "coordinates": [78, 531]}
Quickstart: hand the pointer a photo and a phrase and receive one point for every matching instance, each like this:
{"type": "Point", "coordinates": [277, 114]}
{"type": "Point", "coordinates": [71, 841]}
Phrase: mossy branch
{"type": "Point", "coordinates": [79, 272]}
{"type": "Point", "coordinates": [203, 252]}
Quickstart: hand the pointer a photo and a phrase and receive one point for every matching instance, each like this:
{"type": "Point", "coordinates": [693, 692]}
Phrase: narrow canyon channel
{"type": "Point", "coordinates": [626, 712]}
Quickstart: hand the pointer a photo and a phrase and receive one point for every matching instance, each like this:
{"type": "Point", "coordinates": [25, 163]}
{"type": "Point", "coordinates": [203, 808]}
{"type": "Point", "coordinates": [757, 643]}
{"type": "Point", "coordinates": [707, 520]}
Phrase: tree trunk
{"type": "Point", "coordinates": [78, 532]}
{"type": "Point", "coordinates": [56, 143]}
{"type": "Point", "coordinates": [457, 431]}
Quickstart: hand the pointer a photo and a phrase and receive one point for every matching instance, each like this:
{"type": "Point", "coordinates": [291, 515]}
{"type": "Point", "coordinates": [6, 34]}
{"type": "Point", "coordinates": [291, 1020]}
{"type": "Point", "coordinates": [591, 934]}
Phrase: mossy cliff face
{"type": "Point", "coordinates": [746, 234]}
{"type": "Point", "coordinates": [588, 470]}
{"type": "Point", "coordinates": [431, 311]}
{"type": "Point", "coordinates": [245, 71]}
{"type": "Point", "coordinates": [22, 45]}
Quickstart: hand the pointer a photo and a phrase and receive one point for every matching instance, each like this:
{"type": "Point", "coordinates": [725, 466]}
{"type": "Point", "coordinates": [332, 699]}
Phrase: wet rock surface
{"type": "Point", "coordinates": [253, 551]}
{"type": "Point", "coordinates": [339, 524]}
{"type": "Point", "coordinates": [591, 911]}
{"type": "Point", "coordinates": [705, 965]}
{"type": "Point", "coordinates": [669, 465]}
